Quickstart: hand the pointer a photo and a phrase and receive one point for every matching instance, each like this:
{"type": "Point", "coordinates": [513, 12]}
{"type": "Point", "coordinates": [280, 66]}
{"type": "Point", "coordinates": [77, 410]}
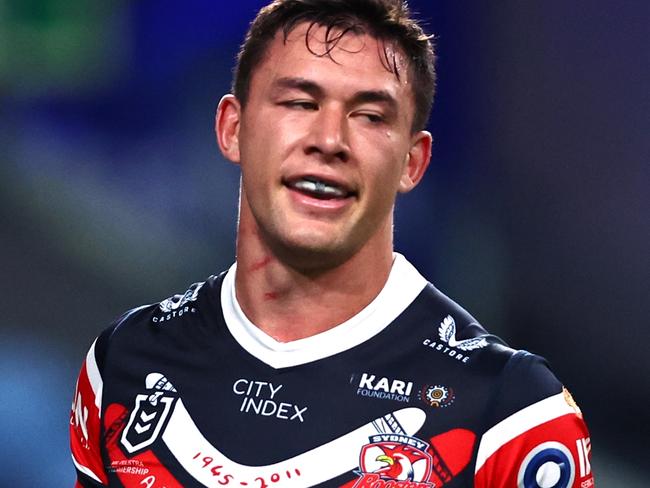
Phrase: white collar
{"type": "Point", "coordinates": [404, 284]}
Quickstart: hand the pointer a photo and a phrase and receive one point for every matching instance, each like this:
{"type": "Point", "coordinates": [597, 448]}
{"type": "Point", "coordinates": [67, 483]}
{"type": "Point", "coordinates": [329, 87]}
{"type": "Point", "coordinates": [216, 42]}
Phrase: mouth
{"type": "Point", "coordinates": [319, 188]}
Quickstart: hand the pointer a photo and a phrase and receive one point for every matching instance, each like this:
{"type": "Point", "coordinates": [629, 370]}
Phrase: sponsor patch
{"type": "Point", "coordinates": [382, 387]}
{"type": "Point", "coordinates": [437, 396]}
{"type": "Point", "coordinates": [583, 446]}
{"type": "Point", "coordinates": [259, 398]}
{"type": "Point", "coordinates": [548, 465]}
{"type": "Point", "coordinates": [401, 390]}
{"type": "Point", "coordinates": [178, 305]}
{"type": "Point", "coordinates": [447, 343]}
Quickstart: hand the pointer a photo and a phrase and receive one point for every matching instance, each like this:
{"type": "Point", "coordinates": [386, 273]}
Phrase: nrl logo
{"type": "Point", "coordinates": [447, 333]}
{"type": "Point", "coordinates": [395, 461]}
{"type": "Point", "coordinates": [149, 414]}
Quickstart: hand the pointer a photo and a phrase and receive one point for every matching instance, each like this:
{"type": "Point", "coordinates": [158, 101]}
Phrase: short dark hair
{"type": "Point", "coordinates": [385, 20]}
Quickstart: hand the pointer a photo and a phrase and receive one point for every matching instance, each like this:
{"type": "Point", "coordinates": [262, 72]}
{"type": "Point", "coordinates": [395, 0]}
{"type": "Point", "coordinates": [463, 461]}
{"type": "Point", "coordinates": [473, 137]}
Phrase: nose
{"type": "Point", "coordinates": [328, 135]}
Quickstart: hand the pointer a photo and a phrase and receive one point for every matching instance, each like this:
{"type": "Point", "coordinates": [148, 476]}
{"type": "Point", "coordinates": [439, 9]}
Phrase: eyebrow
{"type": "Point", "coordinates": [315, 90]}
{"type": "Point", "coordinates": [375, 96]}
{"type": "Point", "coordinates": [300, 84]}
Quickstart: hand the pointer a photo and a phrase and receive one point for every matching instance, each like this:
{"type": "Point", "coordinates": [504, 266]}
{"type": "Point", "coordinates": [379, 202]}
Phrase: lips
{"type": "Point", "coordinates": [320, 188]}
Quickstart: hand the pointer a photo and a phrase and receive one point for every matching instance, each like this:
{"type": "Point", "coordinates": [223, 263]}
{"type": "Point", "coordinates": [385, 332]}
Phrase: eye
{"type": "Point", "coordinates": [300, 104]}
{"type": "Point", "coordinates": [372, 117]}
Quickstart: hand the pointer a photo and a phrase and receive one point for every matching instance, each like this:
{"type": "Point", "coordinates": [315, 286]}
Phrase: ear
{"type": "Point", "coordinates": [226, 127]}
{"type": "Point", "coordinates": [417, 161]}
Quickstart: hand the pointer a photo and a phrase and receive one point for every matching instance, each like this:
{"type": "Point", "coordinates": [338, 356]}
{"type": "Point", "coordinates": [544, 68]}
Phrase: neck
{"type": "Point", "coordinates": [288, 303]}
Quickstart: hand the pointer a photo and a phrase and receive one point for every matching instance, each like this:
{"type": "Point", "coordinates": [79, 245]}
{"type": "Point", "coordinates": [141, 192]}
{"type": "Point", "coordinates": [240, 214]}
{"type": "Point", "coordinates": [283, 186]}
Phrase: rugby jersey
{"type": "Point", "coordinates": [411, 392]}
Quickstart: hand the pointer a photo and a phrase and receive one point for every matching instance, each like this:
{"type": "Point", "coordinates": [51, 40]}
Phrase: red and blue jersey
{"type": "Point", "coordinates": [411, 392]}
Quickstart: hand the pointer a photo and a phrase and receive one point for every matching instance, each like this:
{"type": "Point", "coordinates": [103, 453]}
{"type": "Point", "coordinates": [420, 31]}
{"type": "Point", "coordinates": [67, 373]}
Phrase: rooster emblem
{"type": "Point", "coordinates": [447, 333]}
{"type": "Point", "coordinates": [399, 462]}
{"type": "Point", "coordinates": [396, 461]}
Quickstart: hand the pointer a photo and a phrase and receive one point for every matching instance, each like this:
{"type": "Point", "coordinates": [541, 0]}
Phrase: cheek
{"type": "Point", "coordinates": [381, 194]}
{"type": "Point", "coordinates": [384, 185]}
{"type": "Point", "coordinates": [389, 173]}
{"type": "Point", "coordinates": [254, 171]}
{"type": "Point", "coordinates": [269, 144]}
{"type": "Point", "coordinates": [256, 159]}
{"type": "Point", "coordinates": [385, 150]}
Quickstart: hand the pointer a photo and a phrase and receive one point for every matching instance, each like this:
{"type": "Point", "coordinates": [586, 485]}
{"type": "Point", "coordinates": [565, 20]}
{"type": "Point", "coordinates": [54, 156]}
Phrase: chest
{"type": "Point", "coordinates": [220, 415]}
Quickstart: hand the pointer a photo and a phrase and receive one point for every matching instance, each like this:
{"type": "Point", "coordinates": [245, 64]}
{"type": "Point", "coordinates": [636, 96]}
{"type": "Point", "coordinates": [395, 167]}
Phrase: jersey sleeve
{"type": "Point", "coordinates": [537, 437]}
{"type": "Point", "coordinates": [85, 424]}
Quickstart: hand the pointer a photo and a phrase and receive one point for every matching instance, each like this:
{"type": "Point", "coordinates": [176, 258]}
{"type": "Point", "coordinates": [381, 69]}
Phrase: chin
{"type": "Point", "coordinates": [313, 254]}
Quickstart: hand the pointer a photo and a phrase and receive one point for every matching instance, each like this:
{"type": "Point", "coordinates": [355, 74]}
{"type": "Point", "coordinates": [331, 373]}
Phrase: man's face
{"type": "Point", "coordinates": [324, 145]}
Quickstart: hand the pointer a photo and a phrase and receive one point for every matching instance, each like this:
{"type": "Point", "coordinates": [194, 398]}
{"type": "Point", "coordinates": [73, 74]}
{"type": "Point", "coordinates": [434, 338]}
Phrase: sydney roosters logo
{"type": "Point", "coordinates": [393, 460]}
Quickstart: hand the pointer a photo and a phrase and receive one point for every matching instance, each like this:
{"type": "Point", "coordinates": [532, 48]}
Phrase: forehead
{"type": "Point", "coordinates": [350, 60]}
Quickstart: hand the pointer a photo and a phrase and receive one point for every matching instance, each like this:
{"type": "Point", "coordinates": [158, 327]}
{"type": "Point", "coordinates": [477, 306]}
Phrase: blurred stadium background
{"type": "Point", "coordinates": [534, 214]}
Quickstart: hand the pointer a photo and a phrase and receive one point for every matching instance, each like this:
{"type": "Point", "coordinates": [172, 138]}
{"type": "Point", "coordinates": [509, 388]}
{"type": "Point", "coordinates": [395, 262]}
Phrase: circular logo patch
{"type": "Point", "coordinates": [549, 465]}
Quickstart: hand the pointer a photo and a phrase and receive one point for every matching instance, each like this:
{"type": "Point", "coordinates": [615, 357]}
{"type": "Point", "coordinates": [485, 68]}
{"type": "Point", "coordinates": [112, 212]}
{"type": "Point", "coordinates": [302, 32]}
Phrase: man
{"type": "Point", "coordinates": [322, 357]}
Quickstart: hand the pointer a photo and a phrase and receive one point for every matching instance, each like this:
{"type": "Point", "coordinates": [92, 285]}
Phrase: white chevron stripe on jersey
{"type": "Point", "coordinates": [85, 470]}
{"type": "Point", "coordinates": [315, 466]}
{"type": "Point", "coordinates": [536, 414]}
{"type": "Point", "coordinates": [94, 377]}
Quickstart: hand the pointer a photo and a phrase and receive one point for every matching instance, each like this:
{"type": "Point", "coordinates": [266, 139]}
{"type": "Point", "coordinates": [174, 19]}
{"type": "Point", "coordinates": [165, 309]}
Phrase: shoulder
{"type": "Point", "coordinates": [534, 430]}
{"type": "Point", "coordinates": [518, 377]}
{"type": "Point", "coordinates": [452, 331]}
{"type": "Point", "coordinates": [158, 318]}
{"type": "Point", "coordinates": [509, 379]}
{"type": "Point", "coordinates": [530, 427]}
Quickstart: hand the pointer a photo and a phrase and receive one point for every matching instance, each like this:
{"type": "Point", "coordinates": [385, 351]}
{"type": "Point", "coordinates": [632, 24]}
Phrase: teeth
{"type": "Point", "coordinates": [319, 187]}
